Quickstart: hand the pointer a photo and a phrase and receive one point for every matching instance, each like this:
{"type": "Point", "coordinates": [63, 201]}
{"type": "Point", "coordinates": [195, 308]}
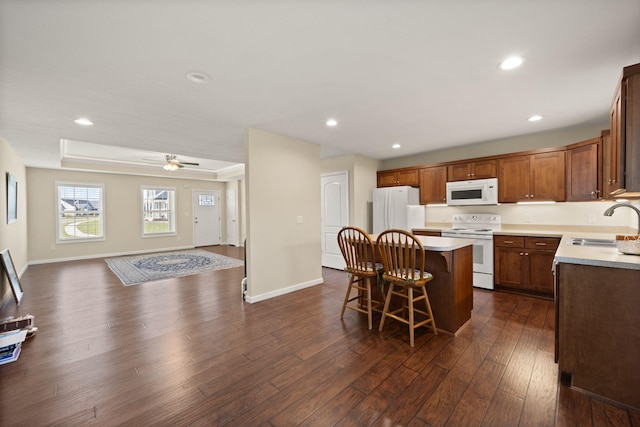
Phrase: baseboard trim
{"type": "Point", "coordinates": [278, 292]}
{"type": "Point", "coordinates": [145, 251]}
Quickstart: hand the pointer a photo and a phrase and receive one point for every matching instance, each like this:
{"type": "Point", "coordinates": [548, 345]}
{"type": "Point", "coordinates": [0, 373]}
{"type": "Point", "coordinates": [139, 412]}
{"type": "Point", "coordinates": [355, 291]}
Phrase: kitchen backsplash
{"type": "Point", "coordinates": [579, 213]}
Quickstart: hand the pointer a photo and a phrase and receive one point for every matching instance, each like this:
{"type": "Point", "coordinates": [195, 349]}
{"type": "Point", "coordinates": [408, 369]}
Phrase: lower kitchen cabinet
{"type": "Point", "coordinates": [523, 264]}
{"type": "Point", "coordinates": [597, 335]}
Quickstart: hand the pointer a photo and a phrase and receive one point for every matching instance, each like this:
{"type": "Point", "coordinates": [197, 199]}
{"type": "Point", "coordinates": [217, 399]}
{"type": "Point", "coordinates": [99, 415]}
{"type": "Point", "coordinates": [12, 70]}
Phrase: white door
{"type": "Point", "coordinates": [335, 215]}
{"type": "Point", "coordinates": [206, 217]}
{"type": "Point", "coordinates": [232, 221]}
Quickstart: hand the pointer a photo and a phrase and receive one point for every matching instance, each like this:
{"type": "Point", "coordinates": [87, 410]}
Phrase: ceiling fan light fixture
{"type": "Point", "coordinates": [170, 167]}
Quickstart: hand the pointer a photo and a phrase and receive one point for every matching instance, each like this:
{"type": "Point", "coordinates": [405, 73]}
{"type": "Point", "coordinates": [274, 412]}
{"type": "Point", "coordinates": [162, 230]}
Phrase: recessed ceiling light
{"type": "Point", "coordinates": [395, 146]}
{"type": "Point", "coordinates": [511, 62]}
{"type": "Point", "coordinates": [83, 121]}
{"type": "Point", "coordinates": [332, 122]}
{"type": "Point", "coordinates": [535, 118]}
{"type": "Point", "coordinates": [196, 77]}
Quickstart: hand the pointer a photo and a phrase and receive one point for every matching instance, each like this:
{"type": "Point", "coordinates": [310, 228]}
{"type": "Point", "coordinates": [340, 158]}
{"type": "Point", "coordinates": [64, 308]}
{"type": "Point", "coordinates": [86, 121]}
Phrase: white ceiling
{"type": "Point", "coordinates": [420, 73]}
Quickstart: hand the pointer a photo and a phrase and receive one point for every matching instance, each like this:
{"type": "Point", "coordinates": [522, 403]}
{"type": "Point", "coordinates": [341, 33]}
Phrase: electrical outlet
{"type": "Point", "coordinates": [299, 219]}
{"type": "Point", "coordinates": [527, 219]}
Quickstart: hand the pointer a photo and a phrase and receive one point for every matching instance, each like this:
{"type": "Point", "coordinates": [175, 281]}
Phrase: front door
{"type": "Point", "coordinates": [335, 215]}
{"type": "Point", "coordinates": [206, 217]}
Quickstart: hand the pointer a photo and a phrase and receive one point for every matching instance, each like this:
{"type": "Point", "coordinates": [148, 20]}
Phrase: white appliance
{"type": "Point", "coordinates": [397, 207]}
{"type": "Point", "coordinates": [475, 192]}
{"type": "Point", "coordinates": [479, 227]}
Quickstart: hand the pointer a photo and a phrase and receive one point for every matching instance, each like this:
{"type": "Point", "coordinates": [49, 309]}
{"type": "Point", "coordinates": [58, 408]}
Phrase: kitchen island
{"type": "Point", "coordinates": [597, 318]}
{"type": "Point", "coordinates": [451, 290]}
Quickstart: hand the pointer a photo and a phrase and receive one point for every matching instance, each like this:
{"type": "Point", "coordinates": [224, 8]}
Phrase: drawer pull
{"type": "Point", "coordinates": [508, 241]}
{"type": "Point", "coordinates": [540, 244]}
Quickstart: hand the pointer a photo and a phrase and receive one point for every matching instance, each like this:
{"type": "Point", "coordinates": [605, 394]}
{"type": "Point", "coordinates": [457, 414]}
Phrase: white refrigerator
{"type": "Point", "coordinates": [397, 207]}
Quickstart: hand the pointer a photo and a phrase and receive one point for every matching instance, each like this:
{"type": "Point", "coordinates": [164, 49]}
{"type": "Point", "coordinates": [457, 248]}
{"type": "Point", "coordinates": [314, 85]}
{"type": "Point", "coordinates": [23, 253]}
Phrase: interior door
{"type": "Point", "coordinates": [335, 215]}
{"type": "Point", "coordinates": [232, 221]}
{"type": "Point", "coordinates": [206, 217]}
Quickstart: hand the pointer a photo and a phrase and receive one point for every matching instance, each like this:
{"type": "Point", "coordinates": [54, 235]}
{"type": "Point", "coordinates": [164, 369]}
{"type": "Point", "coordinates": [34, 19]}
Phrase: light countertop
{"type": "Point", "coordinates": [572, 254]}
{"type": "Point", "coordinates": [439, 244]}
{"type": "Point", "coordinates": [442, 244]}
{"type": "Point", "coordinates": [593, 255]}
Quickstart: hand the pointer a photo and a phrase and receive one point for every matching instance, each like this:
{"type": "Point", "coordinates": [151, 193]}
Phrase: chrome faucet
{"type": "Point", "coordinates": [609, 211]}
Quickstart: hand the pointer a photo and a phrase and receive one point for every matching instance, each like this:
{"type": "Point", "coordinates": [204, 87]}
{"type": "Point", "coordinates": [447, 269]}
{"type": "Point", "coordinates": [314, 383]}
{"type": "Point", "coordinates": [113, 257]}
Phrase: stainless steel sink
{"type": "Point", "coordinates": [583, 241]}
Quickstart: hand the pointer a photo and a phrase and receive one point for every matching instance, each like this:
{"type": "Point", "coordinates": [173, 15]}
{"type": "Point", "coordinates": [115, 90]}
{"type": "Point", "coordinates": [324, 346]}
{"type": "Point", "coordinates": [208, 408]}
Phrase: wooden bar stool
{"type": "Point", "coordinates": [403, 260]}
{"type": "Point", "coordinates": [359, 254]}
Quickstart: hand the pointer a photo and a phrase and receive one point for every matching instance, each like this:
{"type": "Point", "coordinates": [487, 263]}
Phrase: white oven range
{"type": "Point", "coordinates": [479, 227]}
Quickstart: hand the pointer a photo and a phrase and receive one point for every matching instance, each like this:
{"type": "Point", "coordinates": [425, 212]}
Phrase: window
{"type": "Point", "coordinates": [206, 200]}
{"type": "Point", "coordinates": [158, 211]}
{"type": "Point", "coordinates": [80, 212]}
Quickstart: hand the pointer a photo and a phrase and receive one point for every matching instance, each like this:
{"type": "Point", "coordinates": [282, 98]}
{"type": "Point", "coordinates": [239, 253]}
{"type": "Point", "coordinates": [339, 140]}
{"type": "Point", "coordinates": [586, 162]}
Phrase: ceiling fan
{"type": "Point", "coordinates": [172, 163]}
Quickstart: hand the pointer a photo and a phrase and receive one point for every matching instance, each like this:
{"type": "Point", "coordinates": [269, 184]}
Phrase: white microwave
{"type": "Point", "coordinates": [475, 192]}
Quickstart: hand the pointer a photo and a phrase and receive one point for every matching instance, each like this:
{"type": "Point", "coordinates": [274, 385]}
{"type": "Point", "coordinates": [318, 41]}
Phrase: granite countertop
{"type": "Point", "coordinates": [439, 244]}
{"type": "Point", "coordinates": [594, 255]}
{"type": "Point", "coordinates": [442, 244]}
{"type": "Point", "coordinates": [572, 254]}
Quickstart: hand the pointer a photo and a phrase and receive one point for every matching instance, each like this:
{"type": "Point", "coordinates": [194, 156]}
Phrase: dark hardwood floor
{"type": "Point", "coordinates": [189, 351]}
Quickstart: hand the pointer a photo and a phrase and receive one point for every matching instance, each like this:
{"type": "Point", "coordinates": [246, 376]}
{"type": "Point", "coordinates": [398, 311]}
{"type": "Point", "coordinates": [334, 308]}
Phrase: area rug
{"type": "Point", "coordinates": [136, 269]}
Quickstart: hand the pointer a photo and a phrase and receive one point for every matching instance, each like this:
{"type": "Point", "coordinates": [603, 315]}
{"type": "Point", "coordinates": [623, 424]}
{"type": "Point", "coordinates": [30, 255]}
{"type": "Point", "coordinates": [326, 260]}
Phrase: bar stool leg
{"type": "Point", "coordinates": [386, 305]}
{"type": "Point", "coordinates": [346, 297]}
{"type": "Point", "coordinates": [411, 316]}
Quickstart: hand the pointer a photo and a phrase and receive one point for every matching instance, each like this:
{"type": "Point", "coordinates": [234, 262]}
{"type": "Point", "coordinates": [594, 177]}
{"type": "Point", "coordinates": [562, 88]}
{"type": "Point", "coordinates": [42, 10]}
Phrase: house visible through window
{"type": "Point", "coordinates": [80, 212]}
{"type": "Point", "coordinates": [158, 211]}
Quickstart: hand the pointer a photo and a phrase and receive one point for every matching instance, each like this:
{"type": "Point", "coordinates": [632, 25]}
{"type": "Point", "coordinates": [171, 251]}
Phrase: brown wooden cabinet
{"type": "Point", "coordinates": [523, 264]}
{"type": "Point", "coordinates": [623, 157]}
{"type": "Point", "coordinates": [535, 177]}
{"type": "Point", "coordinates": [433, 185]}
{"type": "Point", "coordinates": [597, 340]}
{"type": "Point", "coordinates": [584, 161]}
{"type": "Point", "coordinates": [472, 170]}
{"type": "Point", "coordinates": [395, 177]}
{"type": "Point", "coordinates": [612, 163]}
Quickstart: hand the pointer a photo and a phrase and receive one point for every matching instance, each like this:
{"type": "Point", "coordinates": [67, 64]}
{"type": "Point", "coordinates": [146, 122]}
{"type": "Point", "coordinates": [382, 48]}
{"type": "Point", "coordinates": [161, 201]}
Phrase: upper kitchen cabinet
{"type": "Point", "coordinates": [612, 165]}
{"type": "Point", "coordinates": [622, 158]}
{"type": "Point", "coordinates": [583, 166]}
{"type": "Point", "coordinates": [433, 185]}
{"type": "Point", "coordinates": [535, 177]}
{"type": "Point", "coordinates": [472, 170]}
{"type": "Point", "coordinates": [394, 177]}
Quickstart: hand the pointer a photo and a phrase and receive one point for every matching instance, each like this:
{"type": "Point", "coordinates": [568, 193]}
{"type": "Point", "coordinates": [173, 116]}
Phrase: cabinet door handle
{"type": "Point", "coordinates": [532, 196]}
{"type": "Point", "coordinates": [526, 254]}
{"type": "Point", "coordinates": [521, 254]}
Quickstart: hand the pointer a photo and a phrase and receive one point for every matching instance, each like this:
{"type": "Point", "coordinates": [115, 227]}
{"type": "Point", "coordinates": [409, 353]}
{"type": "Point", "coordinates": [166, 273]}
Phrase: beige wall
{"type": "Point", "coordinates": [282, 184]}
{"type": "Point", "coordinates": [362, 180]}
{"type": "Point", "coordinates": [123, 213]}
{"type": "Point", "coordinates": [533, 141]}
{"type": "Point", "coordinates": [13, 236]}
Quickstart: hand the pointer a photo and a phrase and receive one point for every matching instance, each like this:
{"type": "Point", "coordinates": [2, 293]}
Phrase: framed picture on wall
{"type": "Point", "coordinates": [12, 199]}
{"type": "Point", "coordinates": [6, 262]}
